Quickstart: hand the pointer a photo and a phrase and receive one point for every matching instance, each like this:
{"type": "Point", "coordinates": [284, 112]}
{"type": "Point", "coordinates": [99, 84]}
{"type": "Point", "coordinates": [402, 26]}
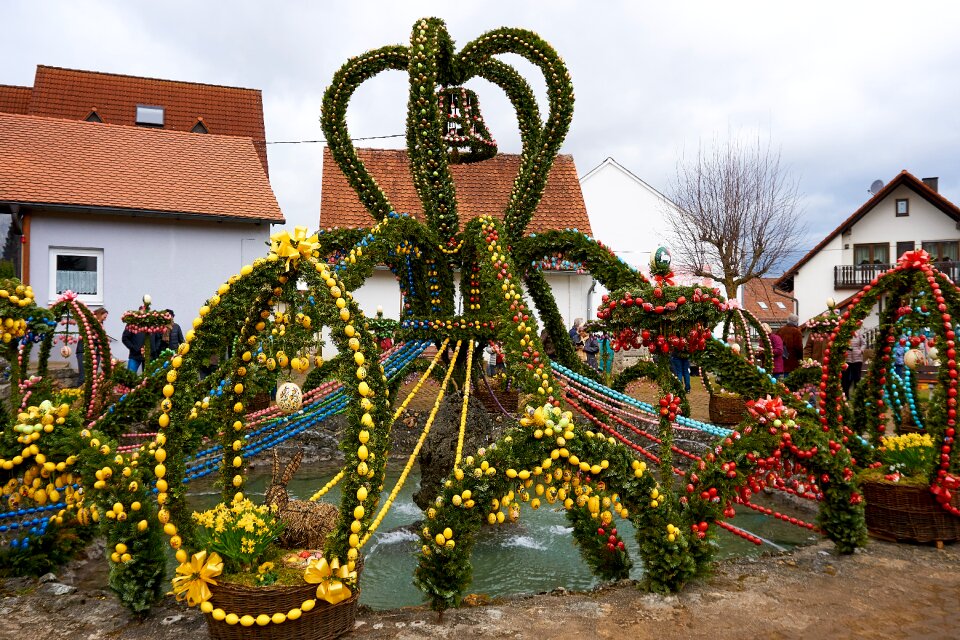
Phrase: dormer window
{"type": "Point", "coordinates": [148, 116]}
{"type": "Point", "coordinates": [93, 116]}
{"type": "Point", "coordinates": [903, 207]}
{"type": "Point", "coordinates": [199, 127]}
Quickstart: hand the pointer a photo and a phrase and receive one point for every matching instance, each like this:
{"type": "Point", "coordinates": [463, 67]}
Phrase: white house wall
{"type": "Point", "coordinates": [180, 263]}
{"type": "Point", "coordinates": [626, 214]}
{"type": "Point", "coordinates": [925, 223]}
{"type": "Point", "coordinates": [813, 283]}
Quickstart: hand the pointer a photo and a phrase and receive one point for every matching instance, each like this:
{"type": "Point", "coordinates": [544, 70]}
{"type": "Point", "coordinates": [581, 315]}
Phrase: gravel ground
{"type": "Point", "coordinates": [885, 591]}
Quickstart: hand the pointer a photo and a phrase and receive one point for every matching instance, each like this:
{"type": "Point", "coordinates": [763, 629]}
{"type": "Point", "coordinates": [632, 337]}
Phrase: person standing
{"type": "Point", "coordinates": [899, 350]}
{"type": "Point", "coordinates": [134, 341]}
{"type": "Point", "coordinates": [606, 355]}
{"type": "Point", "coordinates": [792, 339]}
{"type": "Point", "coordinates": [548, 347]}
{"type": "Point", "coordinates": [776, 346]}
{"type": "Point", "coordinates": [575, 337]}
{"type": "Point", "coordinates": [851, 374]}
{"type": "Point", "coordinates": [170, 338]}
{"type": "Point", "coordinates": [680, 365]}
{"type": "Point", "coordinates": [591, 348]}
{"type": "Point", "coordinates": [100, 315]}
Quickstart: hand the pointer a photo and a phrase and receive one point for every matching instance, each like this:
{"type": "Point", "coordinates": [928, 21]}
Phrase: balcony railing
{"type": "Point", "coordinates": [850, 276]}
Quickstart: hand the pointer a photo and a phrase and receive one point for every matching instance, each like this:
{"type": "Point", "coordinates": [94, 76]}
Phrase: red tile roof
{"type": "Point", "coordinates": [761, 290]}
{"type": "Point", "coordinates": [483, 188]}
{"type": "Point", "coordinates": [14, 99]}
{"type": "Point", "coordinates": [904, 177]}
{"type": "Point", "coordinates": [81, 164]}
{"type": "Point", "coordinates": [72, 94]}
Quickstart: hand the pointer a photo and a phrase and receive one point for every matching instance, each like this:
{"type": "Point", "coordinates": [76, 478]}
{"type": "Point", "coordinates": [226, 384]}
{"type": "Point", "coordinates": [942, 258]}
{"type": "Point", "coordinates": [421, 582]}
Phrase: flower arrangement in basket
{"type": "Point", "coordinates": [907, 457]}
{"type": "Point", "coordinates": [900, 505]}
{"type": "Point", "coordinates": [248, 573]}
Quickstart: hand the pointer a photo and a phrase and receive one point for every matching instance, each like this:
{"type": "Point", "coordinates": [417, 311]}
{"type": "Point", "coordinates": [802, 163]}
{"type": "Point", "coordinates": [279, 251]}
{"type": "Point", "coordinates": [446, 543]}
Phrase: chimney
{"type": "Point", "coordinates": [933, 183]}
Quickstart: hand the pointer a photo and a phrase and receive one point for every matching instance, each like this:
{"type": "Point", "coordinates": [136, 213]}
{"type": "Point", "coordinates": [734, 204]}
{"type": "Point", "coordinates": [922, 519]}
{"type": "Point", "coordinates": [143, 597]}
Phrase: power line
{"type": "Point", "coordinates": [392, 135]}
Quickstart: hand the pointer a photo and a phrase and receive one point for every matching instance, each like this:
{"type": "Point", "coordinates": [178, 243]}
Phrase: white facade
{"type": "Point", "coordinates": [626, 213]}
{"type": "Point", "coordinates": [179, 262]}
{"type": "Point", "coordinates": [879, 237]}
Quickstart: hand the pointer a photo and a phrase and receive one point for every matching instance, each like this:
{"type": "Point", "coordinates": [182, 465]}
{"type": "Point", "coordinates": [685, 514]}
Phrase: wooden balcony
{"type": "Point", "coordinates": [849, 276]}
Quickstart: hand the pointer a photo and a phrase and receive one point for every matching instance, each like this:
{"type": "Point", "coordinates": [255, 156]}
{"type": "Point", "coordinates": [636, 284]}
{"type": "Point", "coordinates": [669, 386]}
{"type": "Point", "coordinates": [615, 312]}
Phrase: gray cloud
{"type": "Point", "coordinates": [850, 92]}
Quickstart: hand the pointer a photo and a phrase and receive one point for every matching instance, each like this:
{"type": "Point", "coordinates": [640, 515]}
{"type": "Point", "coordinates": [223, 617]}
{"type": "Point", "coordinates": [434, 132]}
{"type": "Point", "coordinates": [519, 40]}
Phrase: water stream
{"type": "Point", "coordinates": [534, 555]}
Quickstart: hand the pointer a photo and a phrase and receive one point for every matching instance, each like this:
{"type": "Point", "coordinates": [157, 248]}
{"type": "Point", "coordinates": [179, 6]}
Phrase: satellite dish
{"type": "Point", "coordinates": [875, 186]}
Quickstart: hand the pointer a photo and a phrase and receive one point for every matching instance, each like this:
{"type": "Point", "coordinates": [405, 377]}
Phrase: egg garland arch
{"type": "Point", "coordinates": [365, 439]}
{"type": "Point", "coordinates": [96, 351]}
{"type": "Point", "coordinates": [913, 272]}
{"type": "Point", "coordinates": [577, 247]}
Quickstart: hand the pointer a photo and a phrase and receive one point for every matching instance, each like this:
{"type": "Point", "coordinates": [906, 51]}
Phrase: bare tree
{"type": "Point", "coordinates": [737, 213]}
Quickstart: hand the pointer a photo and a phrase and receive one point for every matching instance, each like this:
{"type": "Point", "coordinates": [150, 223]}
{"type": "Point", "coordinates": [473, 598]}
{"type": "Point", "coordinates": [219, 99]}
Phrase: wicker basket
{"type": "Point", "coordinates": [727, 409]}
{"type": "Point", "coordinates": [259, 401]}
{"type": "Point", "coordinates": [909, 513]}
{"type": "Point", "coordinates": [322, 622]}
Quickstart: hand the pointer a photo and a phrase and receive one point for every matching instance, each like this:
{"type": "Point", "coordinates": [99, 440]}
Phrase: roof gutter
{"type": "Point", "coordinates": [137, 213]}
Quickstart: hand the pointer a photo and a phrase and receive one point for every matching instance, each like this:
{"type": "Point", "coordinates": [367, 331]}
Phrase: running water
{"type": "Point", "coordinates": [536, 554]}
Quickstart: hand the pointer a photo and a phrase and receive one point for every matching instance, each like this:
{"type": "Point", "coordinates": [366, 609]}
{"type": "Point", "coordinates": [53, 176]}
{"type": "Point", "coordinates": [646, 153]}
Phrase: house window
{"type": "Point", "coordinates": [903, 207]}
{"type": "Point", "coordinates": [942, 251]}
{"type": "Point", "coordinates": [903, 247]}
{"type": "Point", "coordinates": [77, 270]}
{"type": "Point", "coordinates": [878, 253]}
{"type": "Point", "coordinates": [148, 116]}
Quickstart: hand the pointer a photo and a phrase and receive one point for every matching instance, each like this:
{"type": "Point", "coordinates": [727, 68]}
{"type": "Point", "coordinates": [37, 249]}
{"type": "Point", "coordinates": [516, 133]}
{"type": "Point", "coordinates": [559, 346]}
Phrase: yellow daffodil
{"type": "Point", "coordinates": [195, 577]}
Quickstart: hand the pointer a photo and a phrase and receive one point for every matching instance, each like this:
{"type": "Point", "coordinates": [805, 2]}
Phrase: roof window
{"type": "Point", "coordinates": [763, 305]}
{"type": "Point", "coordinates": [780, 305]}
{"type": "Point", "coordinates": [199, 127]}
{"type": "Point", "coordinates": [148, 116]}
{"type": "Point", "coordinates": [93, 116]}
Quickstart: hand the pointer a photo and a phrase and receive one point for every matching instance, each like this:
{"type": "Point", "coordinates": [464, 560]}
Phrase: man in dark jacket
{"type": "Point", "coordinates": [134, 341]}
{"type": "Point", "coordinates": [169, 338]}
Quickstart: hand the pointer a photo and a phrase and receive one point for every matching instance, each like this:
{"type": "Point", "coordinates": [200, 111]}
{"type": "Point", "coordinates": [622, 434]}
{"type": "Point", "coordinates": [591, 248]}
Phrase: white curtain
{"type": "Point", "coordinates": [83, 282]}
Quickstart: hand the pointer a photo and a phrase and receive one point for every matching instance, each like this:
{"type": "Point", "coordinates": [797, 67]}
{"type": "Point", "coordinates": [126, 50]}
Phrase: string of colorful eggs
{"type": "Point", "coordinates": [638, 404]}
{"type": "Point", "coordinates": [364, 456]}
{"type": "Point", "coordinates": [45, 483]}
{"type": "Point", "coordinates": [498, 266]}
{"type": "Point", "coordinates": [326, 400]}
{"type": "Point", "coordinates": [944, 483]}
{"type": "Point", "coordinates": [282, 428]}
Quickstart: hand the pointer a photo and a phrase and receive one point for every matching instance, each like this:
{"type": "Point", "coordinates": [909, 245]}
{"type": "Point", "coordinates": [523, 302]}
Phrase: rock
{"type": "Point", "coordinates": [174, 619]}
{"type": "Point", "coordinates": [57, 589]}
{"type": "Point", "coordinates": [48, 577]}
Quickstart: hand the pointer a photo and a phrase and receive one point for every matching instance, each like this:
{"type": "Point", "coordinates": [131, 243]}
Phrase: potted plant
{"type": "Point", "coordinates": [247, 586]}
{"type": "Point", "coordinates": [900, 505]}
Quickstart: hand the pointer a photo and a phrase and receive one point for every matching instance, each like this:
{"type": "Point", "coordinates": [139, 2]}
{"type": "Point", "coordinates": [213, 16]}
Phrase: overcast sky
{"type": "Point", "coordinates": [848, 91]}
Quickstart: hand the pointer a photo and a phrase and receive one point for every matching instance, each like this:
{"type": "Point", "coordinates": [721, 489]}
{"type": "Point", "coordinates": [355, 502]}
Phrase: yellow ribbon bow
{"type": "Point", "coordinates": [329, 579]}
{"type": "Point", "coordinates": [292, 249]}
{"type": "Point", "coordinates": [195, 576]}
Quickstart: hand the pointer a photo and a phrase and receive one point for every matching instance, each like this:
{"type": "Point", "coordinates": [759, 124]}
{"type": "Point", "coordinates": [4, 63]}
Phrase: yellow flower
{"type": "Point", "coordinates": [195, 576]}
{"type": "Point", "coordinates": [266, 567]}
